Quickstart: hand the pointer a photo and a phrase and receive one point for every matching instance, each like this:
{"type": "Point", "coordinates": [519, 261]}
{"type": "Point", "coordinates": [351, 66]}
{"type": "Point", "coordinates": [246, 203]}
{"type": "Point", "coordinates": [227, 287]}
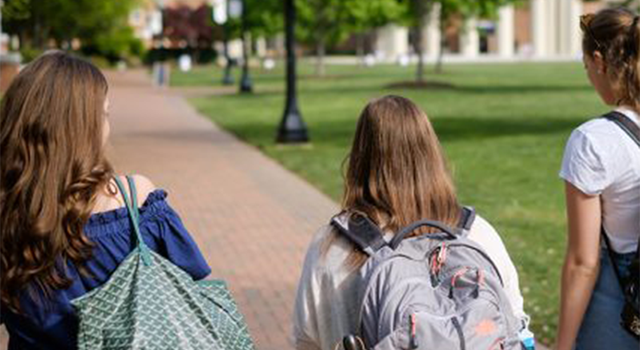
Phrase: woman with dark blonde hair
{"type": "Point", "coordinates": [601, 169]}
{"type": "Point", "coordinates": [63, 225]}
{"type": "Point", "coordinates": [396, 175]}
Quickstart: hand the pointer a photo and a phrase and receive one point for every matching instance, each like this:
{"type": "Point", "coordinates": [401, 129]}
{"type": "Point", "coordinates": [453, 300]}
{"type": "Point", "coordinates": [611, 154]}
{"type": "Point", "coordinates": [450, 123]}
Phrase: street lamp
{"type": "Point", "coordinates": [292, 128]}
{"type": "Point", "coordinates": [227, 79]}
{"type": "Point", "coordinates": [245, 81]}
{"type": "Point", "coordinates": [159, 70]}
{"type": "Point", "coordinates": [221, 14]}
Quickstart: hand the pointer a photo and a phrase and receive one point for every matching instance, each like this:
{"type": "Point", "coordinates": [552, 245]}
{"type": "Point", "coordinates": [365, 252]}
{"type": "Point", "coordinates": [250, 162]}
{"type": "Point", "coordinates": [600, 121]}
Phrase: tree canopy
{"type": "Point", "coordinates": [101, 25]}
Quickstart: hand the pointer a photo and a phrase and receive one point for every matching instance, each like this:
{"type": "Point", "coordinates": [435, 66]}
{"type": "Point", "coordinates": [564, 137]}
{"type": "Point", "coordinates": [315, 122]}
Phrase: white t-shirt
{"type": "Point", "coordinates": [327, 308]}
{"type": "Point", "coordinates": [601, 159]}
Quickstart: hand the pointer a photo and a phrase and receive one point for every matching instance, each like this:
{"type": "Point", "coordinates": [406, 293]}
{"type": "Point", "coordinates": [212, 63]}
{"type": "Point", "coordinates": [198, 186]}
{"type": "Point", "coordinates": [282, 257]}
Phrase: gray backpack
{"type": "Point", "coordinates": [435, 291]}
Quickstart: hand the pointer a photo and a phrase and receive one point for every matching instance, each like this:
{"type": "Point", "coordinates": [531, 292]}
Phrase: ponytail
{"type": "Point", "coordinates": [632, 78]}
{"type": "Point", "coordinates": [615, 33]}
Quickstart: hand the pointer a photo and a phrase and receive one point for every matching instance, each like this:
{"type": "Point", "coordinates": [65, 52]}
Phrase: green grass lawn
{"type": "Point", "coordinates": [503, 128]}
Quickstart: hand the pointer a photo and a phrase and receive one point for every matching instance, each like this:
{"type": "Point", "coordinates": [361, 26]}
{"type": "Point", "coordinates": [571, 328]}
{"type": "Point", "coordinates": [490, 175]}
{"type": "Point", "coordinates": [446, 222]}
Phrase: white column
{"type": "Point", "coordinates": [575, 35]}
{"type": "Point", "coordinates": [506, 34]}
{"type": "Point", "coordinates": [393, 42]}
{"type": "Point", "coordinates": [470, 40]}
{"type": "Point", "coordinates": [432, 33]}
{"type": "Point", "coordinates": [553, 18]}
{"type": "Point", "coordinates": [539, 27]}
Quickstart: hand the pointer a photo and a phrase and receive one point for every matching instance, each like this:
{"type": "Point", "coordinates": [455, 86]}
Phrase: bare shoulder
{"type": "Point", "coordinates": [144, 187]}
{"type": "Point", "coordinates": [110, 198]}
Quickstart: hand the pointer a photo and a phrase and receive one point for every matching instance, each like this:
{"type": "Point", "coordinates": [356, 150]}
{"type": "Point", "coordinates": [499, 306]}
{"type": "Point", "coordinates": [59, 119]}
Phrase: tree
{"type": "Point", "coordinates": [264, 17]}
{"type": "Point", "coordinates": [365, 15]}
{"type": "Point", "coordinates": [319, 24]}
{"type": "Point", "coordinates": [327, 22]}
{"type": "Point", "coordinates": [418, 11]}
{"type": "Point", "coordinates": [467, 8]}
{"type": "Point", "coordinates": [36, 21]}
{"type": "Point", "coordinates": [194, 26]}
{"type": "Point", "coordinates": [39, 23]}
{"type": "Point", "coordinates": [102, 27]}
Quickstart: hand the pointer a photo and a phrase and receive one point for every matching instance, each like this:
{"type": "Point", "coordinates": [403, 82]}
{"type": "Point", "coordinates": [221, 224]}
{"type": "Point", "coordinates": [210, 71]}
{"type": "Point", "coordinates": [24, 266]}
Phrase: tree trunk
{"type": "Point", "coordinates": [421, 10]}
{"type": "Point", "coordinates": [420, 52]}
{"type": "Point", "coordinates": [443, 41]}
{"type": "Point", "coordinates": [320, 52]}
{"type": "Point", "coordinates": [37, 34]}
{"type": "Point", "coordinates": [360, 48]}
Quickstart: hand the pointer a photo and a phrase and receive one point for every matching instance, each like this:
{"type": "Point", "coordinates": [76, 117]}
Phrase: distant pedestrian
{"type": "Point", "coordinates": [63, 225]}
{"type": "Point", "coordinates": [396, 174]}
{"type": "Point", "coordinates": [601, 169]}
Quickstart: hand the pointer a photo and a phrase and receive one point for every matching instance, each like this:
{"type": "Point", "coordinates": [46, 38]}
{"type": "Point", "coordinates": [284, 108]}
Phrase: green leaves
{"type": "Point", "coordinates": [100, 24]}
{"type": "Point", "coordinates": [335, 20]}
{"type": "Point", "coordinates": [16, 10]}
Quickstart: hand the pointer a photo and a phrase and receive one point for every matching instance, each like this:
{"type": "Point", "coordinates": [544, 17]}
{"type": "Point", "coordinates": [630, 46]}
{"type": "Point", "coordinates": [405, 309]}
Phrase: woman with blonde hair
{"type": "Point", "coordinates": [397, 174]}
{"type": "Point", "coordinates": [64, 228]}
{"type": "Point", "coordinates": [601, 169]}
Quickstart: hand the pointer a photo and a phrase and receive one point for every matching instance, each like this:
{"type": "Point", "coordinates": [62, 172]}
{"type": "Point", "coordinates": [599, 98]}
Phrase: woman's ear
{"type": "Point", "coordinates": [598, 60]}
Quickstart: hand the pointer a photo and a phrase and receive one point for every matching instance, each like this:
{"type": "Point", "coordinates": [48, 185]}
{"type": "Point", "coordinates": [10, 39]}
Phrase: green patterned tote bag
{"type": "Point", "coordinates": [150, 304]}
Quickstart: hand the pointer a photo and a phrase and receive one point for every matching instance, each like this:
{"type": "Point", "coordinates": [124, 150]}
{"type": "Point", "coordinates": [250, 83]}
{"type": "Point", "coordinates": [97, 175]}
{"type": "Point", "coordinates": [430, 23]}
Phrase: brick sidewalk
{"type": "Point", "coordinates": [251, 218]}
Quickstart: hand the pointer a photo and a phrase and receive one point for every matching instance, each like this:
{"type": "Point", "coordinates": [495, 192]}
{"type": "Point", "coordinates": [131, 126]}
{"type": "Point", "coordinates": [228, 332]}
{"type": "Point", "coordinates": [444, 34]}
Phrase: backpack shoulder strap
{"type": "Point", "coordinates": [467, 217]}
{"type": "Point", "coordinates": [361, 231]}
{"type": "Point", "coordinates": [626, 124]}
{"type": "Point", "coordinates": [631, 129]}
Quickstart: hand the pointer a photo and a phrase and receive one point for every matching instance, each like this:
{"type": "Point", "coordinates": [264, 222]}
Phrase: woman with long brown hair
{"type": "Point", "coordinates": [63, 225]}
{"type": "Point", "coordinates": [396, 175]}
{"type": "Point", "coordinates": [601, 169]}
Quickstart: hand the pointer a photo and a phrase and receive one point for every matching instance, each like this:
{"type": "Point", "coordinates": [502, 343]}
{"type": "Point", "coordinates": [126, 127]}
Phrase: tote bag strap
{"type": "Point", "coordinates": [134, 215]}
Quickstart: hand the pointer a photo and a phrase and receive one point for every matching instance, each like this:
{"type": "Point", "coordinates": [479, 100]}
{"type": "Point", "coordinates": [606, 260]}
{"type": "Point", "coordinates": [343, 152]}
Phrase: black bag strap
{"type": "Point", "coordinates": [368, 237]}
{"type": "Point", "coordinates": [361, 231]}
{"type": "Point", "coordinates": [467, 217]}
{"type": "Point", "coordinates": [448, 233]}
{"type": "Point", "coordinates": [630, 128]}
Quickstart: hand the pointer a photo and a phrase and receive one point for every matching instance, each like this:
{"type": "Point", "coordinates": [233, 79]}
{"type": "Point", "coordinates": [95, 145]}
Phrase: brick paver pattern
{"type": "Point", "coordinates": [251, 218]}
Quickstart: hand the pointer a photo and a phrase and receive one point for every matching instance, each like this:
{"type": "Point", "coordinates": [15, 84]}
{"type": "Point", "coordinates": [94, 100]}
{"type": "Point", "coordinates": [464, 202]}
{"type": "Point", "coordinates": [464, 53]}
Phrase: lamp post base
{"type": "Point", "coordinates": [245, 84]}
{"type": "Point", "coordinates": [227, 79]}
{"type": "Point", "coordinates": [292, 129]}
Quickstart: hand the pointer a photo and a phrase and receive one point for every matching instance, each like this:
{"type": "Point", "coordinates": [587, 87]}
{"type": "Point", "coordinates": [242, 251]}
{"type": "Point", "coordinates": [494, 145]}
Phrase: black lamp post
{"type": "Point", "coordinates": [292, 128]}
{"type": "Point", "coordinates": [245, 81]}
{"type": "Point", "coordinates": [227, 79]}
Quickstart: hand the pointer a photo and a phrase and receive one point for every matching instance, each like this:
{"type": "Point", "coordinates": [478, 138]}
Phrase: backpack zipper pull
{"type": "Point", "coordinates": [413, 341]}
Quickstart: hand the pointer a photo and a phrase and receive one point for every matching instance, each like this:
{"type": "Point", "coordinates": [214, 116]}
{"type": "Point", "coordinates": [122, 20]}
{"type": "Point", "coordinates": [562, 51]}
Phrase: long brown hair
{"type": "Point", "coordinates": [615, 33]}
{"type": "Point", "coordinates": [53, 164]}
{"type": "Point", "coordinates": [397, 172]}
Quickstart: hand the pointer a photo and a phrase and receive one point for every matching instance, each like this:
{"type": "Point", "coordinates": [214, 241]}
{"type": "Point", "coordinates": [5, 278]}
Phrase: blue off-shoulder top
{"type": "Point", "coordinates": [50, 323]}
